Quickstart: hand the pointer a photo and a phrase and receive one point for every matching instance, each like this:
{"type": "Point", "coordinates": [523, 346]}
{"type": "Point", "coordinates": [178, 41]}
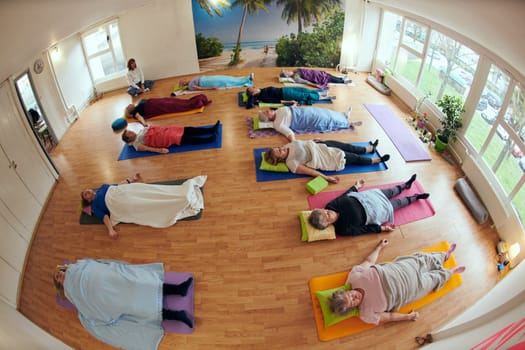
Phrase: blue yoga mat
{"type": "Point", "coordinates": [263, 175]}
{"type": "Point", "coordinates": [129, 152]}
{"type": "Point", "coordinates": [410, 147]}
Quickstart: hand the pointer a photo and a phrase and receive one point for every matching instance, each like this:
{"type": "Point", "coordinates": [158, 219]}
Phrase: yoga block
{"type": "Point", "coordinates": [316, 185]}
{"type": "Point", "coordinates": [473, 203]}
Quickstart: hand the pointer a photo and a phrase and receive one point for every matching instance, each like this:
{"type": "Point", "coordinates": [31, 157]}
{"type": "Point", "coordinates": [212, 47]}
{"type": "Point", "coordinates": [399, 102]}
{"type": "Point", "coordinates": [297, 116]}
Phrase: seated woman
{"type": "Point", "coordinates": [284, 95]}
{"type": "Point", "coordinates": [144, 204]}
{"type": "Point", "coordinates": [152, 107]}
{"type": "Point", "coordinates": [355, 213]}
{"type": "Point", "coordinates": [159, 138]}
{"type": "Point", "coordinates": [288, 120]}
{"type": "Point", "coordinates": [378, 290]}
{"type": "Point", "coordinates": [118, 303]}
{"type": "Point", "coordinates": [215, 82]}
{"type": "Point", "coordinates": [305, 157]}
{"type": "Point", "coordinates": [316, 78]}
{"type": "Point", "coordinates": [136, 82]}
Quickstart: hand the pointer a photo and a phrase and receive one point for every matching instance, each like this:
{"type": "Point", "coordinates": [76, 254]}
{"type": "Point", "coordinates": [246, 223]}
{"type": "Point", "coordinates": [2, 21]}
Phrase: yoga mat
{"type": "Point", "coordinates": [169, 115]}
{"type": "Point", "coordinates": [418, 210]}
{"type": "Point", "coordinates": [129, 152]}
{"type": "Point", "coordinates": [408, 145]}
{"type": "Point", "coordinates": [268, 132]}
{"type": "Point", "coordinates": [170, 302]}
{"type": "Point", "coordinates": [354, 324]}
{"type": "Point", "coordinates": [86, 219]}
{"type": "Point", "coordinates": [263, 175]}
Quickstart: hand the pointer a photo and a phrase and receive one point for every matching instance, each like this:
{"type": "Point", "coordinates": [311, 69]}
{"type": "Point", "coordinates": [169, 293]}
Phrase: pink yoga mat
{"type": "Point", "coordinates": [416, 211]}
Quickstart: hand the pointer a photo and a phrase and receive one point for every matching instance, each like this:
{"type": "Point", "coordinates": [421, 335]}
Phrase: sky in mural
{"type": "Point", "coordinates": [259, 27]}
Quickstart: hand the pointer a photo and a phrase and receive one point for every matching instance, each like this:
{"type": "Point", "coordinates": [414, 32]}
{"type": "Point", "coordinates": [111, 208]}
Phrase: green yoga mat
{"type": "Point", "coordinates": [86, 219]}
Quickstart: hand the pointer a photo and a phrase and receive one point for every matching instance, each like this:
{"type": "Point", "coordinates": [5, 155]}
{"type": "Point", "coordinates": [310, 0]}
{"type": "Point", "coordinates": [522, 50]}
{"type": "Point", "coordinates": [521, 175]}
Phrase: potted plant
{"type": "Point", "coordinates": [451, 121]}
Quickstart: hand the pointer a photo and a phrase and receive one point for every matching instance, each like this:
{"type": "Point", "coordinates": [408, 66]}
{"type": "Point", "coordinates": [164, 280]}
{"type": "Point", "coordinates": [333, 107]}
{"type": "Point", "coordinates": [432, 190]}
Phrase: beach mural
{"type": "Point", "coordinates": [268, 33]}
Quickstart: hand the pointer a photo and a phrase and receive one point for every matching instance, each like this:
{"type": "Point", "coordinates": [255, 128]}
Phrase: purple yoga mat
{"type": "Point", "coordinates": [170, 302]}
{"type": "Point", "coordinates": [410, 147]}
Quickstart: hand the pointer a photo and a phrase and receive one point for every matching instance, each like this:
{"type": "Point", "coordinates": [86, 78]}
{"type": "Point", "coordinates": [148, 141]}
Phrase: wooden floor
{"type": "Point", "coordinates": [251, 268]}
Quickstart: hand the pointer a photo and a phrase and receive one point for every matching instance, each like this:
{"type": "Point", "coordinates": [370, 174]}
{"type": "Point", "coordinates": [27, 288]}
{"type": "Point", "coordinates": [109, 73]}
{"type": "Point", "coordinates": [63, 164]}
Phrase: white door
{"type": "Point", "coordinates": [16, 197]}
{"type": "Point", "coordinates": [21, 149]}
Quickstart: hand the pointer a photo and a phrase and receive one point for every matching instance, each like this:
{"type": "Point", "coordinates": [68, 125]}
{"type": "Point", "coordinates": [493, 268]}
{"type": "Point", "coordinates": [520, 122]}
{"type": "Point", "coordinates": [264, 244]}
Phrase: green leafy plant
{"type": "Point", "coordinates": [208, 47]}
{"type": "Point", "coordinates": [451, 121]}
{"type": "Point", "coordinates": [320, 48]}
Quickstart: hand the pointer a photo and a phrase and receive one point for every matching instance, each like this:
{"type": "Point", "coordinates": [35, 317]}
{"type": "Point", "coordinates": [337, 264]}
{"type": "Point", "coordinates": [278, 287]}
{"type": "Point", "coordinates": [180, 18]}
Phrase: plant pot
{"type": "Point", "coordinates": [440, 145]}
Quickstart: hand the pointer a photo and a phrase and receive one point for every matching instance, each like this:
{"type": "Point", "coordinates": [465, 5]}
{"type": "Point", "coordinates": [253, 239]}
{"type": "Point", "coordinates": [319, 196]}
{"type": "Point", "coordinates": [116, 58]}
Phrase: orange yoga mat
{"type": "Point", "coordinates": [354, 324]}
{"type": "Point", "coordinates": [169, 115]}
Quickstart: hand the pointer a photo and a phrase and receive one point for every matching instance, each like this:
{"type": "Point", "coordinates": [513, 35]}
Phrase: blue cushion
{"type": "Point", "coordinates": [119, 124]}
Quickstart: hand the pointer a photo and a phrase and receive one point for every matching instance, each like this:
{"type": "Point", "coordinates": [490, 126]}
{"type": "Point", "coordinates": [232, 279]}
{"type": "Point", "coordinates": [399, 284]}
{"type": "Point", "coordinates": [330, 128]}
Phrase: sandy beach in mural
{"type": "Point", "coordinates": [249, 58]}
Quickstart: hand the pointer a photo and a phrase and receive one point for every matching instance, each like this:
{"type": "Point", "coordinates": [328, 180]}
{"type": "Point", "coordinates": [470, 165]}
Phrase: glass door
{"type": "Point", "coordinates": [34, 113]}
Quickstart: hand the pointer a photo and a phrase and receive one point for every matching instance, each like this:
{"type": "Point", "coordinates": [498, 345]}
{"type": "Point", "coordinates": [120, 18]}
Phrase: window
{"type": "Point", "coordinates": [449, 67]}
{"type": "Point", "coordinates": [425, 60]}
{"type": "Point", "coordinates": [103, 51]}
{"type": "Point", "coordinates": [488, 109]}
{"type": "Point", "coordinates": [410, 56]}
{"type": "Point", "coordinates": [389, 39]}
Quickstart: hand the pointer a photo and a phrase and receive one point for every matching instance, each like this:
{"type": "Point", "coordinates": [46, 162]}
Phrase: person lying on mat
{"type": "Point", "coordinates": [119, 303]}
{"type": "Point", "coordinates": [284, 95]}
{"type": "Point", "coordinates": [215, 82]}
{"type": "Point", "coordinates": [371, 211]}
{"type": "Point", "coordinates": [159, 138]}
{"type": "Point", "coordinates": [306, 157]}
{"type": "Point", "coordinates": [144, 204]}
{"type": "Point", "coordinates": [152, 107]}
{"type": "Point", "coordinates": [288, 120]}
{"type": "Point", "coordinates": [379, 290]}
{"type": "Point", "coordinates": [316, 78]}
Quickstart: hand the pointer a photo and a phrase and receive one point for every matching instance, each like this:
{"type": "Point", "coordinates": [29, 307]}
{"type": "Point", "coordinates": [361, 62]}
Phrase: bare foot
{"type": "Point", "coordinates": [450, 251]}
{"type": "Point", "coordinates": [137, 177]}
{"type": "Point", "coordinates": [360, 183]}
{"type": "Point", "coordinates": [459, 269]}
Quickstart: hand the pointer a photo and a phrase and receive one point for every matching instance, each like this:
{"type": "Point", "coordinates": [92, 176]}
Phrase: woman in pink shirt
{"type": "Point", "coordinates": [379, 290]}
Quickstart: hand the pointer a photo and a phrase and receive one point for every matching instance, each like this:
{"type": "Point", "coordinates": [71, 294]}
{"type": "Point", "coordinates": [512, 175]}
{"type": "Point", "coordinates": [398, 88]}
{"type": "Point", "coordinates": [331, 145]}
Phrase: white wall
{"type": "Point", "coordinates": [502, 306]}
{"type": "Point", "coordinates": [161, 37]}
{"type": "Point", "coordinates": [72, 72]}
{"type": "Point", "coordinates": [17, 332]}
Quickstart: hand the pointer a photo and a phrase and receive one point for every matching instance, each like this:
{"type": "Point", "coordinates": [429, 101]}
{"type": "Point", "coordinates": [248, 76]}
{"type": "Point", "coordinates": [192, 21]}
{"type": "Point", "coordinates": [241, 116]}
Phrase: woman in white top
{"type": "Point", "coordinates": [136, 82]}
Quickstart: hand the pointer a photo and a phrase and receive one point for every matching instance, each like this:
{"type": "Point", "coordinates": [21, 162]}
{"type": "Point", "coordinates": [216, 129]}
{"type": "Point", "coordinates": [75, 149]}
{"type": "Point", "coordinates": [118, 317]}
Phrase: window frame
{"type": "Point", "coordinates": [471, 97]}
{"type": "Point", "coordinates": [105, 26]}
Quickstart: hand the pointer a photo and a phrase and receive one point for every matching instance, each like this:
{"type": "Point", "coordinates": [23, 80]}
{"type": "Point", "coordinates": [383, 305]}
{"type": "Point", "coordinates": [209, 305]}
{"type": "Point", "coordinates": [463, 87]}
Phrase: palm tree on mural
{"type": "Point", "coordinates": [251, 7]}
{"type": "Point", "coordinates": [305, 12]}
{"type": "Point", "coordinates": [213, 6]}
